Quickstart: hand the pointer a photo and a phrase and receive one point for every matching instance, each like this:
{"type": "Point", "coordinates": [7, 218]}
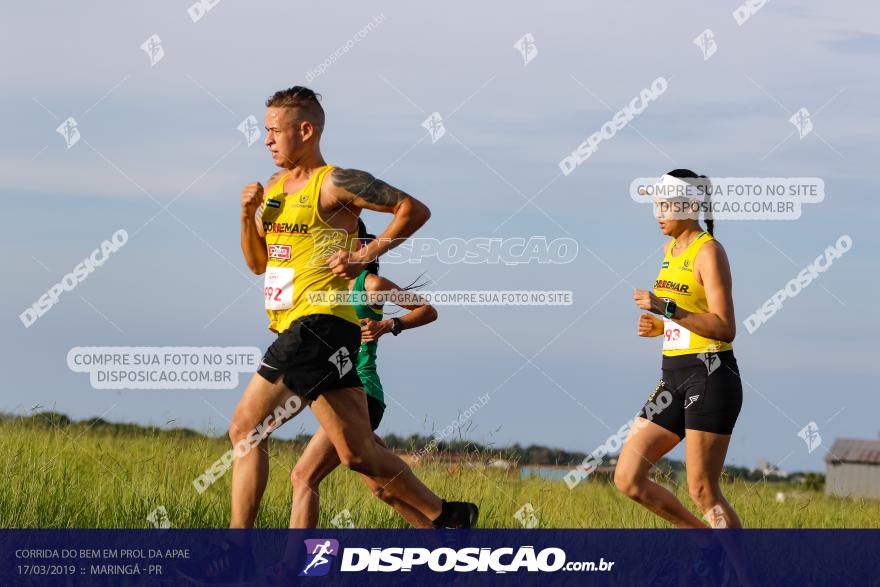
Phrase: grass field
{"type": "Point", "coordinates": [76, 476]}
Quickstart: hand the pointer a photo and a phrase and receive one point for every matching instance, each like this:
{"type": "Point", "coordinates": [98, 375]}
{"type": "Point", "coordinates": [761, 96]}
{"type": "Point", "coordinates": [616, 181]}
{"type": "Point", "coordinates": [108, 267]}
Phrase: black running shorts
{"type": "Point", "coordinates": [376, 410]}
{"type": "Point", "coordinates": [315, 354]}
{"type": "Point", "coordinates": [698, 392]}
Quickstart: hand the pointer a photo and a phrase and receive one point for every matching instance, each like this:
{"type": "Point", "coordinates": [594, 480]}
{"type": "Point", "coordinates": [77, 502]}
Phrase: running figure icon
{"type": "Point", "coordinates": [321, 549]}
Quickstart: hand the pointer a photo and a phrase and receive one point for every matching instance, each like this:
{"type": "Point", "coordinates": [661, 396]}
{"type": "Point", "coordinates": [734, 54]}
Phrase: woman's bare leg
{"type": "Point", "coordinates": [646, 444]}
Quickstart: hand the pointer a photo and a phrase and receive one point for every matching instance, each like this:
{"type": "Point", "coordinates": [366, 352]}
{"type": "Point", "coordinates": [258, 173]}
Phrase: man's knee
{"type": "Point", "coordinates": [385, 495]}
{"type": "Point", "coordinates": [360, 457]}
{"type": "Point", "coordinates": [238, 429]}
{"type": "Point", "coordinates": [628, 483]}
{"type": "Point", "coordinates": [357, 461]}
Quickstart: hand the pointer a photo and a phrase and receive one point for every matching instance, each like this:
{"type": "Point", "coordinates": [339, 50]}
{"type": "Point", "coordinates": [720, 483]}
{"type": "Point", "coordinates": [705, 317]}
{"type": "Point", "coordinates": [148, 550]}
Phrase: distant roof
{"type": "Point", "coordinates": [854, 450]}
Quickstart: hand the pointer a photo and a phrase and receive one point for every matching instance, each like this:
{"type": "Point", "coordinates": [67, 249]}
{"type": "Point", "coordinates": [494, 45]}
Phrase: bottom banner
{"type": "Point", "coordinates": [465, 557]}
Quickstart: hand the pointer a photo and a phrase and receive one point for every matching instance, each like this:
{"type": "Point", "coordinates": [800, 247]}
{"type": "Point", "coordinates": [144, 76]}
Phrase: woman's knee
{"type": "Point", "coordinates": [705, 493]}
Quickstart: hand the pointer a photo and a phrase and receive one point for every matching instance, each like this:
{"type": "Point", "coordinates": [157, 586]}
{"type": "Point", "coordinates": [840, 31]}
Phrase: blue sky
{"type": "Point", "coordinates": [167, 134]}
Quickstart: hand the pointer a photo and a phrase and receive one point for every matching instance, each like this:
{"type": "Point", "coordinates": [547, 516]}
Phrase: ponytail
{"type": "Point", "coordinates": [365, 237]}
{"type": "Point", "coordinates": [707, 215]}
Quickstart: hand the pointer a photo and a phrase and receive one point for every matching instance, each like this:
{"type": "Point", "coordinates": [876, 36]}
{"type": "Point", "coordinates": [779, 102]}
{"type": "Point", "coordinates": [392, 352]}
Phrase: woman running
{"type": "Point", "coordinates": [319, 458]}
{"type": "Point", "coordinates": [700, 394]}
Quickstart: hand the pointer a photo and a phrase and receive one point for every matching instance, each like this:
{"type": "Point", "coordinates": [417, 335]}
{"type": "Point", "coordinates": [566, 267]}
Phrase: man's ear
{"type": "Point", "coordinates": [306, 130]}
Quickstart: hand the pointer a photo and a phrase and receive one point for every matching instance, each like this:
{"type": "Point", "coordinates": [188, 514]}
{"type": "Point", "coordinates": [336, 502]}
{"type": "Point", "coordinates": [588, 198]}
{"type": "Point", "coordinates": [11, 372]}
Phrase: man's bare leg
{"type": "Point", "coordinates": [250, 470]}
{"type": "Point", "coordinates": [415, 518]}
{"type": "Point", "coordinates": [317, 461]}
{"type": "Point", "coordinates": [343, 415]}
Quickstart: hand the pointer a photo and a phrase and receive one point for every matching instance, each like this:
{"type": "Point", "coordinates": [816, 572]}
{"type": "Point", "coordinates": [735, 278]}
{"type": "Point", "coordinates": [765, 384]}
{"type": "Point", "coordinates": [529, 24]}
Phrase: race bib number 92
{"type": "Point", "coordinates": [278, 288]}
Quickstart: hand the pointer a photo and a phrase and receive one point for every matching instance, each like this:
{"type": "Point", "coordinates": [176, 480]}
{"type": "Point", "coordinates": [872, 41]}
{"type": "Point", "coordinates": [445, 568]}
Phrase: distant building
{"type": "Point", "coordinates": [769, 470]}
{"type": "Point", "coordinates": [853, 468]}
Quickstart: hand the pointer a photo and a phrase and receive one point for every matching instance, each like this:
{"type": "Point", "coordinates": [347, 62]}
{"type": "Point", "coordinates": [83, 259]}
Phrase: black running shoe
{"type": "Point", "coordinates": [224, 564]}
{"type": "Point", "coordinates": [458, 514]}
{"type": "Point", "coordinates": [711, 568]}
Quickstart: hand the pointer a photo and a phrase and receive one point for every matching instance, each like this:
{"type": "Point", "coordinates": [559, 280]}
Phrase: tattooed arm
{"type": "Point", "coordinates": [354, 188]}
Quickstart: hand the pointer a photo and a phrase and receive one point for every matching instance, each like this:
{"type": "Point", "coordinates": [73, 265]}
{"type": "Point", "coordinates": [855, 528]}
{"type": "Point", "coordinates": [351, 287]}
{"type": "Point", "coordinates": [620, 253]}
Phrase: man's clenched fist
{"type": "Point", "coordinates": [251, 199]}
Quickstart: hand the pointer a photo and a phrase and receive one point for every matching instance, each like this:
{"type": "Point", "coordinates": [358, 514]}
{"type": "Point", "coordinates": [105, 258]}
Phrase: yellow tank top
{"type": "Point", "coordinates": [676, 282]}
{"type": "Point", "coordinates": [299, 243]}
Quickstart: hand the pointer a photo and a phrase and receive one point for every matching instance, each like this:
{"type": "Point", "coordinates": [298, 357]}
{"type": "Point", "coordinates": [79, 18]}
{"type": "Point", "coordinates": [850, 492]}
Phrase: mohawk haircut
{"type": "Point", "coordinates": [305, 100]}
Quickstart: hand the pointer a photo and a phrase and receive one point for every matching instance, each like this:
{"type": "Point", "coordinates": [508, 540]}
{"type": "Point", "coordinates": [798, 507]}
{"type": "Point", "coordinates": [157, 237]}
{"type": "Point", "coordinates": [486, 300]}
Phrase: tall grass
{"type": "Point", "coordinates": [73, 476]}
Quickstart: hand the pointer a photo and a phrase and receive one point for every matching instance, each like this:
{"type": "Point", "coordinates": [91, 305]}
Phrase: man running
{"type": "Point", "coordinates": [310, 223]}
{"type": "Point", "coordinates": [319, 458]}
{"type": "Point", "coordinates": [311, 210]}
{"type": "Point", "coordinates": [309, 218]}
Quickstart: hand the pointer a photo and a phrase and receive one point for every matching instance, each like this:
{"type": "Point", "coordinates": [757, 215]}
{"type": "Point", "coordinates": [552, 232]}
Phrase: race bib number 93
{"type": "Point", "coordinates": [675, 336]}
